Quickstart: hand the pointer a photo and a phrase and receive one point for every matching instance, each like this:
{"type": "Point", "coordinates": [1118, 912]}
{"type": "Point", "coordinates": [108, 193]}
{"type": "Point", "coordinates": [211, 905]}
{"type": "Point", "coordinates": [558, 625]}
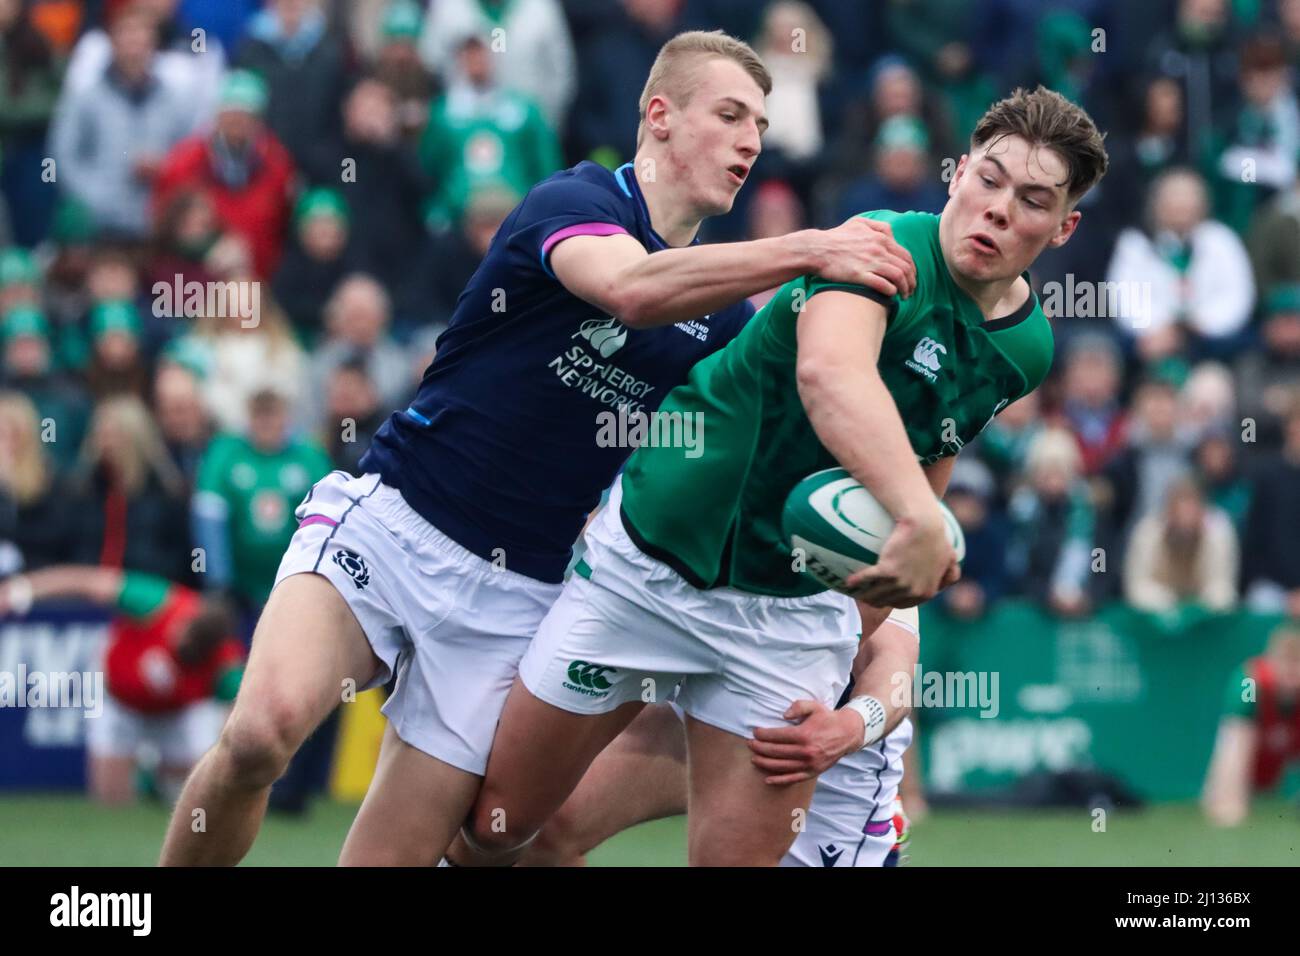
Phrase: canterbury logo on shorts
{"type": "Point", "coordinates": [589, 679]}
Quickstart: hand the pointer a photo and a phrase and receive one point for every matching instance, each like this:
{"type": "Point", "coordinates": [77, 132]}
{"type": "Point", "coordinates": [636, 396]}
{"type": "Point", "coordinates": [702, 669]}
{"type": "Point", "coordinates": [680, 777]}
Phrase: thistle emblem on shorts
{"type": "Point", "coordinates": [354, 565]}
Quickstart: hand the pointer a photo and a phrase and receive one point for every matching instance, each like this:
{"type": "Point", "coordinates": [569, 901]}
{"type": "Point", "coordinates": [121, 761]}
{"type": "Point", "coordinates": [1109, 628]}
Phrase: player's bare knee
{"type": "Point", "coordinates": [492, 830]}
{"type": "Point", "coordinates": [255, 750]}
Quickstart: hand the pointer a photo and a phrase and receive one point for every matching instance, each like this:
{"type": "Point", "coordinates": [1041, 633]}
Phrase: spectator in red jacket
{"type": "Point", "coordinates": [243, 168]}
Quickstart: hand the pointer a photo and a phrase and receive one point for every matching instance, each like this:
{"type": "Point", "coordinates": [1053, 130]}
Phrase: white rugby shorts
{"type": "Point", "coordinates": [630, 628]}
{"type": "Point", "coordinates": [451, 625]}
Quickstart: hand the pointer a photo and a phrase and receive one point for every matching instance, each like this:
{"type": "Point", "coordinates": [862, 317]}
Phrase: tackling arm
{"type": "Point", "coordinates": [617, 275]}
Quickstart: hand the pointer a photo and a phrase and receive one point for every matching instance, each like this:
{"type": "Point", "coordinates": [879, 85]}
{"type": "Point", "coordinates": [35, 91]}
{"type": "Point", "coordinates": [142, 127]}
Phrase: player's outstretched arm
{"type": "Point", "coordinates": [616, 274]}
{"type": "Point", "coordinates": [88, 582]}
{"type": "Point", "coordinates": [1226, 797]}
{"type": "Point", "coordinates": [854, 415]}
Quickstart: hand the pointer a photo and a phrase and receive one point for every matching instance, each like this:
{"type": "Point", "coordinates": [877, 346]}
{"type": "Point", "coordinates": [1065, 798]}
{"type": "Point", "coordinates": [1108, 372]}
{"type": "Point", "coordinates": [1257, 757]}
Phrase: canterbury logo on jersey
{"type": "Point", "coordinates": [925, 357]}
{"type": "Point", "coordinates": [927, 353]}
{"type": "Point", "coordinates": [589, 679]}
{"type": "Point", "coordinates": [605, 335]}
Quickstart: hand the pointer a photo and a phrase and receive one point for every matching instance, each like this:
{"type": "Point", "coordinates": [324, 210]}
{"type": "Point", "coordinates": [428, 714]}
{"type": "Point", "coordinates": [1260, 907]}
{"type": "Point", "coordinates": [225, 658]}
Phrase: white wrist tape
{"type": "Point", "coordinates": [872, 713]}
{"type": "Point", "coordinates": [908, 618]}
{"type": "Point", "coordinates": [20, 594]}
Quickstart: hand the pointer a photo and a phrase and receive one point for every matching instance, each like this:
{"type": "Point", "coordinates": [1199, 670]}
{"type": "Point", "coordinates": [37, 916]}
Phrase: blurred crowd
{"type": "Point", "coordinates": [351, 161]}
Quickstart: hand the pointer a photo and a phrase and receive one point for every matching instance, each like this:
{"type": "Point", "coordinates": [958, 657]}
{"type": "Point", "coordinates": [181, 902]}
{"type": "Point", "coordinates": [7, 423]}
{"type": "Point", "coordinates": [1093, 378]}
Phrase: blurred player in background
{"type": "Point", "coordinates": [438, 563]}
{"type": "Point", "coordinates": [247, 487]}
{"type": "Point", "coordinates": [688, 578]}
{"type": "Point", "coordinates": [172, 665]}
{"type": "Point", "coordinates": [1259, 731]}
{"type": "Point", "coordinates": [854, 818]}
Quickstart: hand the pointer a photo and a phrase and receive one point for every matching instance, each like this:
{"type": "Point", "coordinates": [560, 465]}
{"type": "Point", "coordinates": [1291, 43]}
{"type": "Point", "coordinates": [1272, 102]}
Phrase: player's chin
{"type": "Point", "coordinates": [982, 269]}
{"type": "Point", "coordinates": [720, 204]}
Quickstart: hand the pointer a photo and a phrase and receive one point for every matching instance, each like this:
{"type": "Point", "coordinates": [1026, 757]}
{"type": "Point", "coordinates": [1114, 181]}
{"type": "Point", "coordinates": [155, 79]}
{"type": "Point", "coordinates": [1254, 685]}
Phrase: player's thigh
{"type": "Point", "coordinates": [335, 622]}
{"type": "Point", "coordinates": [581, 681]}
{"type": "Point", "coordinates": [412, 810]}
{"type": "Point", "coordinates": [640, 776]}
{"type": "Point", "coordinates": [734, 818]}
{"type": "Point", "coordinates": [538, 757]}
{"type": "Point", "coordinates": [308, 649]}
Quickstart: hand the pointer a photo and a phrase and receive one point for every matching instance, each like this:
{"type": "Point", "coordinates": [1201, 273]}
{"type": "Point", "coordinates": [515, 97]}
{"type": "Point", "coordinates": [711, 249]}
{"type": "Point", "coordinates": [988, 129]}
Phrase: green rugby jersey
{"type": "Point", "coordinates": [256, 492]}
{"type": "Point", "coordinates": [716, 517]}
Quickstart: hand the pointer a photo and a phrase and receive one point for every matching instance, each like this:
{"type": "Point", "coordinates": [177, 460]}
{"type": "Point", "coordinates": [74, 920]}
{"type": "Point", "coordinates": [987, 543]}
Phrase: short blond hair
{"type": "Point", "coordinates": [674, 70]}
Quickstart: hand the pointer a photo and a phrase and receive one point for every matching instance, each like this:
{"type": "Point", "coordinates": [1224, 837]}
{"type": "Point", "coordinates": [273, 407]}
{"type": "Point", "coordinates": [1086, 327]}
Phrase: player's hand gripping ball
{"type": "Point", "coordinates": [836, 527]}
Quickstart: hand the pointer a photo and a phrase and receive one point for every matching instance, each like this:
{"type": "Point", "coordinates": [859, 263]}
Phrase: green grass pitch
{"type": "Point", "coordinates": [61, 830]}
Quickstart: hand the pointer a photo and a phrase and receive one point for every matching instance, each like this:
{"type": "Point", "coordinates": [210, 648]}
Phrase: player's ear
{"type": "Point", "coordinates": [1068, 225]}
{"type": "Point", "coordinates": [957, 174]}
{"type": "Point", "coordinates": [656, 117]}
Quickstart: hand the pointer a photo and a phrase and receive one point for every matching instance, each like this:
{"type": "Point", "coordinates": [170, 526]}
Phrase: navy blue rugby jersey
{"type": "Point", "coordinates": [499, 449]}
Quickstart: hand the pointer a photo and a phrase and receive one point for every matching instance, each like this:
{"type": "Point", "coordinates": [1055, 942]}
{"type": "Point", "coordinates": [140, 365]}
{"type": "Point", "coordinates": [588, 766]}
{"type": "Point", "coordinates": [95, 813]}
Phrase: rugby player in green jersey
{"type": "Point", "coordinates": [688, 580]}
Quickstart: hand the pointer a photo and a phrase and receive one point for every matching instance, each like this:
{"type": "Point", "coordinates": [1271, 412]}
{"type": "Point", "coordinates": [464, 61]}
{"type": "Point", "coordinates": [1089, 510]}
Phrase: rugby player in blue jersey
{"type": "Point", "coordinates": [438, 564]}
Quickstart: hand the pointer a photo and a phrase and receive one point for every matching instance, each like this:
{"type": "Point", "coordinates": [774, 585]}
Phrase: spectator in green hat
{"type": "Point", "coordinates": [116, 363]}
{"type": "Point", "coordinates": [27, 364]}
{"type": "Point", "coordinates": [323, 206]}
{"type": "Point", "coordinates": [242, 91]}
{"type": "Point", "coordinates": [901, 176]}
{"type": "Point", "coordinates": [114, 319]}
{"type": "Point", "coordinates": [20, 279]}
{"type": "Point", "coordinates": [397, 64]}
{"type": "Point", "coordinates": [242, 167]}
{"type": "Point", "coordinates": [305, 67]}
{"type": "Point", "coordinates": [402, 21]}
{"type": "Point", "coordinates": [316, 261]}
{"type": "Point", "coordinates": [26, 336]}
{"type": "Point", "coordinates": [17, 265]}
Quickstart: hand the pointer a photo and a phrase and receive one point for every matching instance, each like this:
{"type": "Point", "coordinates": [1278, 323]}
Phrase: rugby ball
{"type": "Point", "coordinates": [837, 527]}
